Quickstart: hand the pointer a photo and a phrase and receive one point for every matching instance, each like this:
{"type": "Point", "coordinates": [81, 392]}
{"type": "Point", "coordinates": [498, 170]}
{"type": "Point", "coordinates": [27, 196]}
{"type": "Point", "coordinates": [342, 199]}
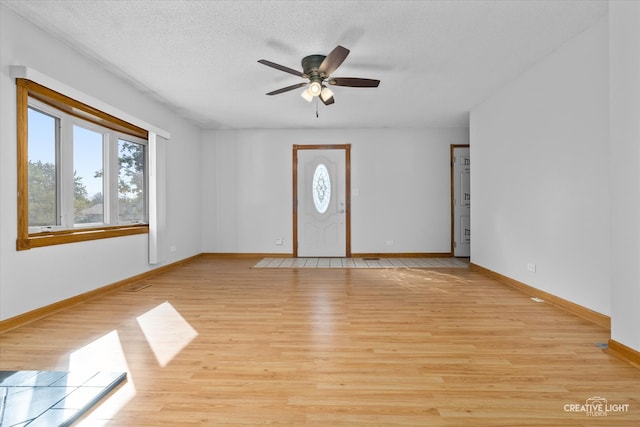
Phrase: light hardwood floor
{"type": "Point", "coordinates": [216, 342]}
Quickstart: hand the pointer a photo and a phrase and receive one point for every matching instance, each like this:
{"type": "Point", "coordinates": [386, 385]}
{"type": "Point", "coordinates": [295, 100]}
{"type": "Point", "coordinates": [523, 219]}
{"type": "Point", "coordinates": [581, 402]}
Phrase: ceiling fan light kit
{"type": "Point", "coordinates": [315, 88]}
{"type": "Point", "coordinates": [306, 95]}
{"type": "Point", "coordinates": [326, 95]}
{"type": "Point", "coordinates": [317, 69]}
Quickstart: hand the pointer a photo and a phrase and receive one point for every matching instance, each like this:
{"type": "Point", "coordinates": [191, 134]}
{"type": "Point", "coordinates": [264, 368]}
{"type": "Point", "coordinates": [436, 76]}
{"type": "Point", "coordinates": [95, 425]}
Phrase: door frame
{"type": "Point", "coordinates": [452, 148]}
{"type": "Point", "coordinates": [347, 176]}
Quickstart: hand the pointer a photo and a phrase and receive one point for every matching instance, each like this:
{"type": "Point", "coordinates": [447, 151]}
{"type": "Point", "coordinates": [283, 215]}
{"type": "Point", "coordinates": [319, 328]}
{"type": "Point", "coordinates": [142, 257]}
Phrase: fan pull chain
{"type": "Point", "coordinates": [317, 116]}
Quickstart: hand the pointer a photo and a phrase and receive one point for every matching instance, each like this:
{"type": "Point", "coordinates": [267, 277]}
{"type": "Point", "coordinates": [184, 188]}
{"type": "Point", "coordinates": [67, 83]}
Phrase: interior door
{"type": "Point", "coordinates": [321, 203]}
{"type": "Point", "coordinates": [461, 201]}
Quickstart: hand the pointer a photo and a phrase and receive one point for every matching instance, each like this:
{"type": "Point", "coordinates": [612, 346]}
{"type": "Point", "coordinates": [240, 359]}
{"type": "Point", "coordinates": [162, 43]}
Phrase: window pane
{"type": "Point", "coordinates": [131, 182]}
{"type": "Point", "coordinates": [87, 176]}
{"type": "Point", "coordinates": [42, 131]}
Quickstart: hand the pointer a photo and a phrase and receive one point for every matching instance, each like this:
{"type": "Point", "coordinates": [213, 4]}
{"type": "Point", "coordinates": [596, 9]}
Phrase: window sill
{"type": "Point", "coordinates": [50, 238]}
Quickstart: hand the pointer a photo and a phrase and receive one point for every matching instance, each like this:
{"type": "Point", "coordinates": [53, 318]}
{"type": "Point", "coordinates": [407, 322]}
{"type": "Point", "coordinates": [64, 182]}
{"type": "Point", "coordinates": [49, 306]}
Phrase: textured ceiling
{"type": "Point", "coordinates": [436, 59]}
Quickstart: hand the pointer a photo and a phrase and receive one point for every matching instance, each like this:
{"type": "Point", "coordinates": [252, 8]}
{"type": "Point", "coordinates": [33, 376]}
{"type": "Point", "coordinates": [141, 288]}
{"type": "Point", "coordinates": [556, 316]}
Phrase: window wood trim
{"type": "Point", "coordinates": [37, 240]}
{"type": "Point", "coordinates": [79, 109]}
{"type": "Point", "coordinates": [24, 89]}
{"type": "Point", "coordinates": [23, 171]}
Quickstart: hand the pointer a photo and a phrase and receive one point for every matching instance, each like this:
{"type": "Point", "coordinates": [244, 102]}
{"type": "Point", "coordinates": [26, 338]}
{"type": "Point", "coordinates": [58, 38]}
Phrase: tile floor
{"type": "Point", "coordinates": [51, 398]}
{"type": "Point", "coordinates": [362, 262]}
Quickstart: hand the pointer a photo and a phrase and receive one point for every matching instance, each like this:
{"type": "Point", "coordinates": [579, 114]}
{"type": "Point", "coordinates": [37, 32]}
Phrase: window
{"type": "Point", "coordinates": [43, 183]}
{"type": "Point", "coordinates": [82, 174]}
{"type": "Point", "coordinates": [131, 181]}
{"type": "Point", "coordinates": [88, 172]}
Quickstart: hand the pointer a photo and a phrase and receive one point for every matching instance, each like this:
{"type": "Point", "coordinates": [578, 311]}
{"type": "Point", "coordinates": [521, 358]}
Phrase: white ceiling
{"type": "Point", "coordinates": [436, 59]}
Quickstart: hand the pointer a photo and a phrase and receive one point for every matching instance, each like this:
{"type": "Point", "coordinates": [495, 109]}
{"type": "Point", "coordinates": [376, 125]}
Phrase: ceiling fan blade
{"type": "Point", "coordinates": [281, 68]}
{"type": "Point", "coordinates": [353, 82]}
{"type": "Point", "coordinates": [287, 89]}
{"type": "Point", "coordinates": [333, 60]}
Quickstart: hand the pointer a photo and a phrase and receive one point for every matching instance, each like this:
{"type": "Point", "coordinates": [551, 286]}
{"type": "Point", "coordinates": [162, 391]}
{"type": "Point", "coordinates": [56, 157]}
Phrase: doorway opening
{"type": "Point", "coordinates": [321, 200]}
{"type": "Point", "coordinates": [460, 201]}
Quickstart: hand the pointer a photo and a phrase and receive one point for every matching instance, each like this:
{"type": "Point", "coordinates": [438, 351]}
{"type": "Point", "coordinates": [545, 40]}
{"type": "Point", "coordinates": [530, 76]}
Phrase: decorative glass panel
{"type": "Point", "coordinates": [321, 188]}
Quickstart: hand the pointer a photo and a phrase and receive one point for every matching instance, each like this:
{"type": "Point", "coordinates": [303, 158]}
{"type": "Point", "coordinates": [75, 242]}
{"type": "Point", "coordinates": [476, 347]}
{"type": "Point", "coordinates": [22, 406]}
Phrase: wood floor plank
{"type": "Point", "coordinates": [217, 342]}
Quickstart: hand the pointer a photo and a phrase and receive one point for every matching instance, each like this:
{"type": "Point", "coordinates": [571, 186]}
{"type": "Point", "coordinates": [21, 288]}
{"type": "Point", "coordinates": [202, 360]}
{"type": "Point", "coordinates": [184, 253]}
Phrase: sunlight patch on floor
{"type": "Point", "coordinates": [166, 331]}
{"type": "Point", "coordinates": [105, 353]}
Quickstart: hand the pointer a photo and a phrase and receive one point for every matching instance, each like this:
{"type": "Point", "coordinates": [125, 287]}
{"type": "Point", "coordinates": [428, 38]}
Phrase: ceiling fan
{"type": "Point", "coordinates": [318, 69]}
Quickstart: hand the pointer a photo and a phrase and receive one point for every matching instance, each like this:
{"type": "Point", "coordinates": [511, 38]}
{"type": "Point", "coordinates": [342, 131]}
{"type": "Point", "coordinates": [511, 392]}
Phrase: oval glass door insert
{"type": "Point", "coordinates": [321, 188]}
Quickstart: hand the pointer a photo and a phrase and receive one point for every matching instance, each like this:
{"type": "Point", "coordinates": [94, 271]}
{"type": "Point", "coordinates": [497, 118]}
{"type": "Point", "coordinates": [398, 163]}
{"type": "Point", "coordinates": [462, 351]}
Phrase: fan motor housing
{"type": "Point", "coordinates": [310, 65]}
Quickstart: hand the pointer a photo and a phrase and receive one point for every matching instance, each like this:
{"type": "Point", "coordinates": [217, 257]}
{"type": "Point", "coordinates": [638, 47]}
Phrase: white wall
{"type": "Point", "coordinates": [402, 177]}
{"type": "Point", "coordinates": [42, 276]}
{"type": "Point", "coordinates": [624, 47]}
{"type": "Point", "coordinates": [540, 175]}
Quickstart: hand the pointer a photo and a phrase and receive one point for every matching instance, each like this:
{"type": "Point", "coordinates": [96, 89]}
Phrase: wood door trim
{"type": "Point", "coordinates": [347, 172]}
{"type": "Point", "coordinates": [452, 148]}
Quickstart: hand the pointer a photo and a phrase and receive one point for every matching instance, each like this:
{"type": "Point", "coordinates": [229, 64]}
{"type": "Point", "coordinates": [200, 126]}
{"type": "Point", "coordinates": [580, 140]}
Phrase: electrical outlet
{"type": "Point", "coordinates": [389, 242]}
{"type": "Point", "coordinates": [172, 248]}
{"type": "Point", "coordinates": [279, 241]}
{"type": "Point", "coordinates": [531, 267]}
